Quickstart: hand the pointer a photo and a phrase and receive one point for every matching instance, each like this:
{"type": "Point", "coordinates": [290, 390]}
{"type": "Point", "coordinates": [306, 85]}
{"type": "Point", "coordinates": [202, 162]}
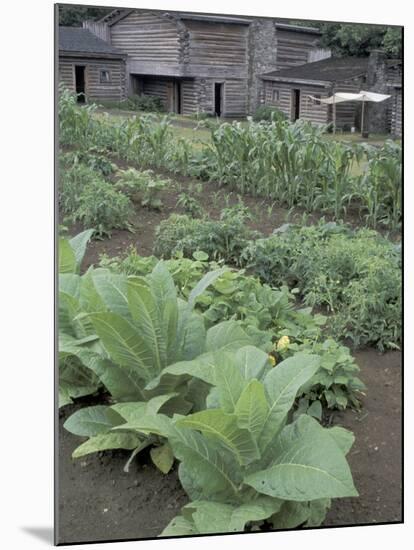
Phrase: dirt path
{"type": "Point", "coordinates": [98, 501]}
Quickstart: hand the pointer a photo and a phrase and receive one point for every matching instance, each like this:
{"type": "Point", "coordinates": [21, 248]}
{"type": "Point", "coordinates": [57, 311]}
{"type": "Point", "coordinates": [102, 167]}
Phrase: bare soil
{"type": "Point", "coordinates": [376, 457]}
{"type": "Point", "coordinates": [98, 501]}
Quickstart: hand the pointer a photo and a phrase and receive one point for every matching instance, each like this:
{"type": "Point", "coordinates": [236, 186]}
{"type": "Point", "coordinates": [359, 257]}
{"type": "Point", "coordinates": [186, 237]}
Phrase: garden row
{"type": "Point", "coordinates": [232, 401]}
{"type": "Point", "coordinates": [292, 164]}
{"type": "Point", "coordinates": [212, 366]}
{"type": "Point", "coordinates": [354, 275]}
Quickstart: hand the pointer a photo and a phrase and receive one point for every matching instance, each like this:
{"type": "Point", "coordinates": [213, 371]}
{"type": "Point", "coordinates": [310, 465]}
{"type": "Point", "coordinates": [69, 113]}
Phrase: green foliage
{"type": "Point", "coordinates": [356, 275]}
{"type": "Point", "coordinates": [295, 165]}
{"type": "Point", "coordinates": [266, 112]}
{"type": "Point", "coordinates": [143, 184]}
{"type": "Point", "coordinates": [292, 164]}
{"type": "Point", "coordinates": [283, 161]}
{"type": "Point", "coordinates": [235, 457]}
{"type": "Point", "coordinates": [94, 158]}
{"type": "Point", "coordinates": [85, 196]}
{"type": "Point", "coordinates": [358, 40]}
{"type": "Point", "coordinates": [74, 379]}
{"type": "Point", "coordinates": [152, 353]}
{"type": "Point", "coordinates": [145, 103]}
{"type": "Point", "coordinates": [335, 385]}
{"type": "Point", "coordinates": [102, 207]}
{"type": "Point", "coordinates": [222, 239]}
{"type": "Point", "coordinates": [190, 205]}
{"type": "Point", "coordinates": [380, 188]}
{"type": "Point", "coordinates": [392, 42]}
{"type": "Point", "coordinates": [77, 125]}
{"type": "Point", "coordinates": [73, 16]}
{"type": "Point", "coordinates": [268, 314]}
{"type": "Point", "coordinates": [127, 329]}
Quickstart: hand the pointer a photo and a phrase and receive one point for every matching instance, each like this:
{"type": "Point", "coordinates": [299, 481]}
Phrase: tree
{"type": "Point", "coordinates": [351, 39]}
{"type": "Point", "coordinates": [72, 16]}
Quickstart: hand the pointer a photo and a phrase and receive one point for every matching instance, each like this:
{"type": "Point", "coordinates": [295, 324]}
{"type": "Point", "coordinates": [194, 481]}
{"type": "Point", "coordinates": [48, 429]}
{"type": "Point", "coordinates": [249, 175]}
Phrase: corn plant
{"type": "Point", "coordinates": [381, 186]}
{"type": "Point", "coordinates": [77, 125]}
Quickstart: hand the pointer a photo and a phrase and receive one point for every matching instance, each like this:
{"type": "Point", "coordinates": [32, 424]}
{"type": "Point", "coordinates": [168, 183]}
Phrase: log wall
{"type": "Point", "coordinates": [234, 96]}
{"type": "Point", "coordinates": [217, 45]}
{"type": "Point", "coordinates": [115, 90]}
{"type": "Point", "coordinates": [309, 109]}
{"type": "Point", "coordinates": [147, 38]}
{"type": "Point", "coordinates": [293, 48]}
{"type": "Point", "coordinates": [348, 113]}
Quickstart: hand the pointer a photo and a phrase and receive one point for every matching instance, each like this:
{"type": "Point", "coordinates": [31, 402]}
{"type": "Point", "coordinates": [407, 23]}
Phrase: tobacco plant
{"type": "Point", "coordinates": [236, 455]}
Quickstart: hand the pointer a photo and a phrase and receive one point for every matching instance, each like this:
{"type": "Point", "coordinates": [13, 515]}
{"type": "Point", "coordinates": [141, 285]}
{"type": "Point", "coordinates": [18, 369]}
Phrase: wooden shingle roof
{"type": "Point", "coordinates": [332, 69]}
{"type": "Point", "coordinates": [79, 40]}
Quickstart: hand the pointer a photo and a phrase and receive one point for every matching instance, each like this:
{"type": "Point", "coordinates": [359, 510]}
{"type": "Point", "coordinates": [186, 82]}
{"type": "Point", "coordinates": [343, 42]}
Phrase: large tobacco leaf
{"type": "Point", "coordinates": [202, 517]}
{"type": "Point", "coordinates": [254, 454]}
{"type": "Point", "coordinates": [71, 252]}
{"type": "Point", "coordinates": [137, 325]}
{"type": "Point", "coordinates": [308, 465]}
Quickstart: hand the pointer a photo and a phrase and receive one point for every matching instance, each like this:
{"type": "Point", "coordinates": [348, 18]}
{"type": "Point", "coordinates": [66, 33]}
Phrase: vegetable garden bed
{"type": "Point", "coordinates": [148, 348]}
{"type": "Point", "coordinates": [99, 501]}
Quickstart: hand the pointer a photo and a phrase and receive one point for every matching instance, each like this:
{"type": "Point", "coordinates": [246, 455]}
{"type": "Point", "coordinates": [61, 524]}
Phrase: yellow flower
{"type": "Point", "coordinates": [283, 343]}
{"type": "Point", "coordinates": [272, 360]}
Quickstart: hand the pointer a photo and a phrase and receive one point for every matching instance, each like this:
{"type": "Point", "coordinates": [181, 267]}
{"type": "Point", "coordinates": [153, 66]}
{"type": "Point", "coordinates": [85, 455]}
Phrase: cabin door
{"type": "Point", "coordinates": [295, 111]}
{"type": "Point", "coordinates": [174, 103]}
{"type": "Point", "coordinates": [218, 98]}
{"type": "Point", "coordinates": [80, 82]}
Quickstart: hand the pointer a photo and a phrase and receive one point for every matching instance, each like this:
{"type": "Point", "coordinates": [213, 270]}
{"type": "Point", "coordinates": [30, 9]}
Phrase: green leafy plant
{"type": "Point", "coordinates": [94, 158]}
{"type": "Point", "coordinates": [103, 207]}
{"type": "Point", "coordinates": [355, 275]}
{"type": "Point", "coordinates": [127, 329]}
{"type": "Point", "coordinates": [73, 177]}
{"type": "Point", "coordinates": [190, 205]}
{"type": "Point", "coordinates": [85, 196]}
{"type": "Point", "coordinates": [380, 187]}
{"type": "Point", "coordinates": [266, 112]}
{"type": "Point", "coordinates": [141, 102]}
{"type": "Point", "coordinates": [144, 184]}
{"type": "Point", "coordinates": [221, 239]}
{"type": "Point", "coordinates": [335, 385]}
{"type": "Point", "coordinates": [236, 456]}
{"type": "Point", "coordinates": [292, 164]}
{"type": "Point", "coordinates": [267, 314]}
{"type": "Point", "coordinates": [75, 380]}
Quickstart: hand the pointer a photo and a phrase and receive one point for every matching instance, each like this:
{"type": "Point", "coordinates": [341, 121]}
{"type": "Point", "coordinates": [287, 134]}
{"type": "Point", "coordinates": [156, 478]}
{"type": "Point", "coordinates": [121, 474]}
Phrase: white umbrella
{"type": "Point", "coordinates": [363, 96]}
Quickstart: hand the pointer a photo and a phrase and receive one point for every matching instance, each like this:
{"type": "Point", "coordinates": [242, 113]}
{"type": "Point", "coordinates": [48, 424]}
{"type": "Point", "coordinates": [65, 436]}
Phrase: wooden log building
{"type": "Point", "coordinates": [222, 65]}
{"type": "Point", "coordinates": [90, 66]}
{"type": "Point", "coordinates": [193, 63]}
{"type": "Point", "coordinates": [292, 91]}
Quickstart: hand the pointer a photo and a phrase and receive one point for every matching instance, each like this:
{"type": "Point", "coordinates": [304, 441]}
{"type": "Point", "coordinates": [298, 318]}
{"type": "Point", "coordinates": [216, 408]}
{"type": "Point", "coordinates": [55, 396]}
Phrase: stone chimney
{"type": "Point", "coordinates": [376, 121]}
{"type": "Point", "coordinates": [262, 58]}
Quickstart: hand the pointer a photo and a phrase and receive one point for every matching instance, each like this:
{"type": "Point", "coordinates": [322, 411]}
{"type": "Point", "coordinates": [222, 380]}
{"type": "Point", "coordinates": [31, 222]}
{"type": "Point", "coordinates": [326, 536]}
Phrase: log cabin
{"type": "Point", "coordinates": [295, 91]}
{"type": "Point", "coordinates": [90, 66]}
{"type": "Point", "coordinates": [203, 63]}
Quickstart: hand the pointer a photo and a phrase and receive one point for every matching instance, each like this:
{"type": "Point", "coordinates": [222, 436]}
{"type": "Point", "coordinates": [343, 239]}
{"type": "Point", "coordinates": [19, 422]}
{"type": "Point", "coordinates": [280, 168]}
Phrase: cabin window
{"type": "Point", "coordinates": [275, 96]}
{"type": "Point", "coordinates": [105, 77]}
